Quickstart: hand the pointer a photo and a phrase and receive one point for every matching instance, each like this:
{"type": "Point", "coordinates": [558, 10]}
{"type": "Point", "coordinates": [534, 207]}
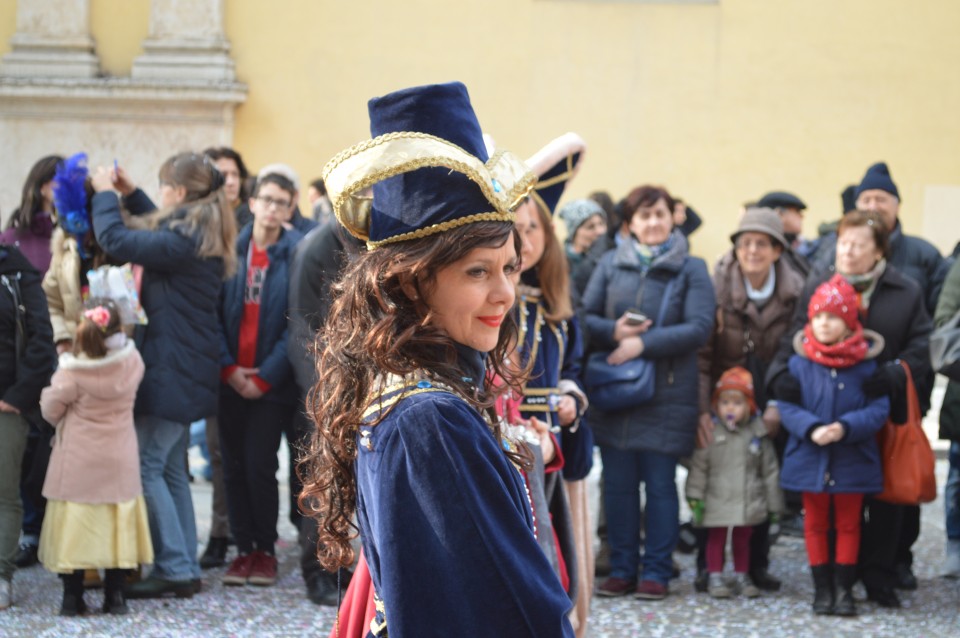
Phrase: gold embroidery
{"type": "Point", "coordinates": [379, 406]}
{"type": "Point", "coordinates": [556, 179]}
{"type": "Point", "coordinates": [540, 392]}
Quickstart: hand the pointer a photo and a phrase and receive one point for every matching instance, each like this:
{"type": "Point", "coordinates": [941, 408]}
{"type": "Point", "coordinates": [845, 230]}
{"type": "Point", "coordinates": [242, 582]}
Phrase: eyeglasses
{"type": "Point", "coordinates": [279, 203]}
{"type": "Point", "coordinates": [758, 244]}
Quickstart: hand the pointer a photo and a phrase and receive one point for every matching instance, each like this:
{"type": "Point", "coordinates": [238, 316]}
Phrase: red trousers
{"type": "Point", "coordinates": [717, 539]}
{"type": "Point", "coordinates": [846, 521]}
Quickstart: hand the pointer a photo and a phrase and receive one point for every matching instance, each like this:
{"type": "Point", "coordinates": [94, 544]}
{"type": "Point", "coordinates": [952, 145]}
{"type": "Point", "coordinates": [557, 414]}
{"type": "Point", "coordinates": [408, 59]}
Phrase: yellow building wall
{"type": "Point", "coordinates": [719, 102]}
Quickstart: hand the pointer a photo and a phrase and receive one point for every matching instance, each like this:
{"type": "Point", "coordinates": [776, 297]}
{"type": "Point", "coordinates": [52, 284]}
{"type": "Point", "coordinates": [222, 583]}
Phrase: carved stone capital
{"type": "Point", "coordinates": [52, 40]}
{"type": "Point", "coordinates": [185, 42]}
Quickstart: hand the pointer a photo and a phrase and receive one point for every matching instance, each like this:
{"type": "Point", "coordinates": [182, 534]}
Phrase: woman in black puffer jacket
{"type": "Point", "coordinates": [186, 250]}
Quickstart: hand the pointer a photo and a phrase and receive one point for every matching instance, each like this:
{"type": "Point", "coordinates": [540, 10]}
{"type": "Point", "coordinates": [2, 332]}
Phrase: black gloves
{"type": "Point", "coordinates": [786, 388]}
{"type": "Point", "coordinates": [889, 379]}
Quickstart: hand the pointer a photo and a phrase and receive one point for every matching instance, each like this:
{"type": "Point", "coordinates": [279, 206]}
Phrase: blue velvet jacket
{"type": "Point", "coordinates": [850, 465]}
{"type": "Point", "coordinates": [557, 351]}
{"type": "Point", "coordinates": [446, 524]}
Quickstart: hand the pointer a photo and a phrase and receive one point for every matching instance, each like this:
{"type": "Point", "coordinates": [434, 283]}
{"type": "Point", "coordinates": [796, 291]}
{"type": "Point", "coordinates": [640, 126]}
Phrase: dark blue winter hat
{"type": "Point", "coordinates": [555, 165]}
{"type": "Point", "coordinates": [878, 177]}
{"type": "Point", "coordinates": [848, 198]}
{"type": "Point", "coordinates": [428, 167]}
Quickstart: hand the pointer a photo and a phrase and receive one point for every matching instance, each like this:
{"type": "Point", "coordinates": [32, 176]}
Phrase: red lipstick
{"type": "Point", "coordinates": [493, 322]}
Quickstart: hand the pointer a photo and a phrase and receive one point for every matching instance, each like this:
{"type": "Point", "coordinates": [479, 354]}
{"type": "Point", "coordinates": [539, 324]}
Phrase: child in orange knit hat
{"type": "Point", "coordinates": [734, 482]}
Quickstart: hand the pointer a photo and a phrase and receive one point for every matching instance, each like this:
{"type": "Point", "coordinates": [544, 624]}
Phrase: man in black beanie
{"type": "Point", "coordinates": [919, 260]}
{"type": "Point", "coordinates": [915, 257]}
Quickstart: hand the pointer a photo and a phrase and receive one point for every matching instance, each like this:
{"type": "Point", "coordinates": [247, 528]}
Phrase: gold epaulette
{"type": "Point", "coordinates": [392, 394]}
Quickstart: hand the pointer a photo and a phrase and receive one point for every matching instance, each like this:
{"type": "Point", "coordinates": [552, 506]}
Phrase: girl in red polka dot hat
{"type": "Point", "coordinates": [832, 456]}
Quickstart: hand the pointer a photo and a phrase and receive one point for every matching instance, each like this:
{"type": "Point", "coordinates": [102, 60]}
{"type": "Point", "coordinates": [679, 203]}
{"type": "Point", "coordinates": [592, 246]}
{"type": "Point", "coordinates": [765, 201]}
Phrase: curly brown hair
{"type": "Point", "coordinates": [375, 329]}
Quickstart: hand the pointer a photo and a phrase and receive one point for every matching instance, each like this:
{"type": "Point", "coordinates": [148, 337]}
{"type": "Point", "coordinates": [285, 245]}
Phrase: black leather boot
{"type": "Point", "coordinates": [823, 595]}
{"type": "Point", "coordinates": [844, 578]}
{"type": "Point", "coordinates": [215, 555]}
{"type": "Point", "coordinates": [113, 599]}
{"type": "Point", "coordinates": [73, 604]}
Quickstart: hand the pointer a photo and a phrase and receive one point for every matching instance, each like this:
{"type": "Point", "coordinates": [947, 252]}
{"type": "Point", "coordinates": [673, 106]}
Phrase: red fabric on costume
{"type": "Point", "coordinates": [561, 561]}
{"type": "Point", "coordinates": [357, 608]}
{"type": "Point", "coordinates": [816, 526]}
{"type": "Point", "coordinates": [845, 354]}
{"type": "Point", "coordinates": [557, 463]}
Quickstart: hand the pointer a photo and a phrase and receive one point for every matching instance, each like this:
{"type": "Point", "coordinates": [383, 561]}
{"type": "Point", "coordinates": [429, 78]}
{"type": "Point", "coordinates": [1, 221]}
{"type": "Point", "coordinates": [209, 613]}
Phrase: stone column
{"type": "Point", "coordinates": [52, 40]}
{"type": "Point", "coordinates": [185, 42]}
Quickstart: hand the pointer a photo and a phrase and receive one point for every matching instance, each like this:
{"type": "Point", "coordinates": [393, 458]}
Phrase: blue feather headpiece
{"type": "Point", "coordinates": [70, 197]}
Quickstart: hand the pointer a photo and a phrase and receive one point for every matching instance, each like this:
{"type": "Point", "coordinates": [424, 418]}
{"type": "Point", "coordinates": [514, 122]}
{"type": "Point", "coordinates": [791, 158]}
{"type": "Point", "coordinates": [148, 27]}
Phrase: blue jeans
{"type": "Point", "coordinates": [951, 493]}
{"type": "Point", "coordinates": [623, 472]}
{"type": "Point", "coordinates": [166, 489]}
{"type": "Point", "coordinates": [198, 438]}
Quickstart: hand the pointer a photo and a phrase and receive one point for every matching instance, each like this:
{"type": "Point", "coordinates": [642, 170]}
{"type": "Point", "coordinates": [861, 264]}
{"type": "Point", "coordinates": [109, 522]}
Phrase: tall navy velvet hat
{"type": "Point", "coordinates": [428, 167]}
{"type": "Point", "coordinates": [555, 165]}
{"type": "Point", "coordinates": [878, 177]}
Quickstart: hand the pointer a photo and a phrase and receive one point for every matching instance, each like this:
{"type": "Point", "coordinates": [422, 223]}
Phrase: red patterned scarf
{"type": "Point", "coordinates": [845, 354]}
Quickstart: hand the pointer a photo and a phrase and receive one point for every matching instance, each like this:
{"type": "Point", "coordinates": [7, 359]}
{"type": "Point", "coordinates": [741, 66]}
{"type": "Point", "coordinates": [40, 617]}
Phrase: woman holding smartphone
{"type": "Point", "coordinates": [652, 275]}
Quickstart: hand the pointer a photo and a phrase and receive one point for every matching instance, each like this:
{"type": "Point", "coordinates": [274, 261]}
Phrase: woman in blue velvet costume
{"type": "Point", "coordinates": [406, 438]}
{"type": "Point", "coordinates": [551, 343]}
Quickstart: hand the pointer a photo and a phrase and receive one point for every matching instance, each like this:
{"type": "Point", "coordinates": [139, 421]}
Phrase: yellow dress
{"type": "Point", "coordinates": [95, 536]}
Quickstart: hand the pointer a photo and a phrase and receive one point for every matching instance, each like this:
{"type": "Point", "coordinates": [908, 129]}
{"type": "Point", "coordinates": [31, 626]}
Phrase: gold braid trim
{"type": "Point", "coordinates": [443, 226]}
{"type": "Point", "coordinates": [535, 196]}
{"type": "Point", "coordinates": [556, 179]}
{"type": "Point", "coordinates": [379, 404]}
{"type": "Point", "coordinates": [504, 180]}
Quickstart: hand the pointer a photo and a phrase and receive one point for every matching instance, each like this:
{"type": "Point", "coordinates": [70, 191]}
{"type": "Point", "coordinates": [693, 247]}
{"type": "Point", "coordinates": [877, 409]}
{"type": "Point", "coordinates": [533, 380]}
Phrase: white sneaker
{"type": "Point", "coordinates": [6, 593]}
{"type": "Point", "coordinates": [745, 586]}
{"type": "Point", "coordinates": [951, 568]}
{"type": "Point", "coordinates": [716, 587]}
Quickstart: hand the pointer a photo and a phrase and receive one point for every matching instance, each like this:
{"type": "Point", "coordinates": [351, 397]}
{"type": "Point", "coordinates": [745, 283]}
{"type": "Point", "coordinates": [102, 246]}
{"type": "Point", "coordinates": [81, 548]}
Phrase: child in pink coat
{"type": "Point", "coordinates": [96, 517]}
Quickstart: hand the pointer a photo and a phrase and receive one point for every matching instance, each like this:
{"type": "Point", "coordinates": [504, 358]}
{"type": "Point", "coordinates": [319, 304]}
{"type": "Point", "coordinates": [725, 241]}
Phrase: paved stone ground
{"type": "Point", "coordinates": [933, 610]}
{"type": "Point", "coordinates": [280, 611]}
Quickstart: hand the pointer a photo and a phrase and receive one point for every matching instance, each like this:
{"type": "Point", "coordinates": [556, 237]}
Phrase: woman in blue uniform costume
{"type": "Point", "coordinates": [551, 343]}
{"type": "Point", "coordinates": [405, 435]}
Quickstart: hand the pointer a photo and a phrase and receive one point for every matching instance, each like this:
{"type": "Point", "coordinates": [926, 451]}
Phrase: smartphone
{"type": "Point", "coordinates": [634, 317]}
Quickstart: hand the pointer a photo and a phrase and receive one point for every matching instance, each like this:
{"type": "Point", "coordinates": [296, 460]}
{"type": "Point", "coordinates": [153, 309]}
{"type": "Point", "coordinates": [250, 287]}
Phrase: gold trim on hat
{"type": "Point", "coordinates": [504, 179]}
{"type": "Point", "coordinates": [562, 177]}
{"type": "Point", "coordinates": [433, 229]}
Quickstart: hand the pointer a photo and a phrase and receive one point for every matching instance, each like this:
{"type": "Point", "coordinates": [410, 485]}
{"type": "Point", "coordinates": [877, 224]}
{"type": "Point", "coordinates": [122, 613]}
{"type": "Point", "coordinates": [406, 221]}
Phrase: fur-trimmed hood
{"type": "Point", "coordinates": [108, 376]}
